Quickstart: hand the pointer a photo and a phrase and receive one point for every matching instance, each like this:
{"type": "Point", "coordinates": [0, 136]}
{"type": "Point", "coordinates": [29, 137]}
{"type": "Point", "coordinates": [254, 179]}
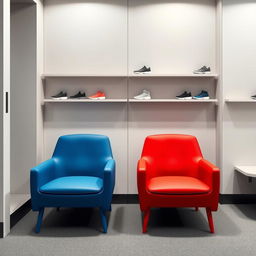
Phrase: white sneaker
{"type": "Point", "coordinates": [145, 95]}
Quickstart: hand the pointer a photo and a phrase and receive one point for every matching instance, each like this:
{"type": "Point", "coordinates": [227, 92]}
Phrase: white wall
{"type": "Point", "coordinates": [85, 36]}
{"type": "Point", "coordinates": [23, 95]}
{"type": "Point", "coordinates": [239, 81]}
{"type": "Point", "coordinates": [172, 36]}
{"type": "Point", "coordinates": [91, 38]}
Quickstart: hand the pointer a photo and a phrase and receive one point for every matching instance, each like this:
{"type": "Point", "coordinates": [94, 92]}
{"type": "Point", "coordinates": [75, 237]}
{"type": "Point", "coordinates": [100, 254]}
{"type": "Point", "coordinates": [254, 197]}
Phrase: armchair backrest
{"type": "Point", "coordinates": [172, 154]}
{"type": "Point", "coordinates": [82, 154]}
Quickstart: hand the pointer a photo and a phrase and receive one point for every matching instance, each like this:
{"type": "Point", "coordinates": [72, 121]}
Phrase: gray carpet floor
{"type": "Point", "coordinates": [75, 232]}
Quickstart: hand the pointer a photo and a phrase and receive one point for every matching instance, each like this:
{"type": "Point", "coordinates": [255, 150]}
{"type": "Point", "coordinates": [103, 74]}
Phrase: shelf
{"type": "Point", "coordinates": [84, 101]}
{"type": "Point", "coordinates": [175, 75]}
{"type": "Point", "coordinates": [249, 171]}
{"type": "Point", "coordinates": [240, 101]}
{"type": "Point", "coordinates": [130, 100]}
{"type": "Point", "coordinates": [175, 101]}
{"type": "Point", "coordinates": [17, 200]}
{"type": "Point", "coordinates": [44, 76]}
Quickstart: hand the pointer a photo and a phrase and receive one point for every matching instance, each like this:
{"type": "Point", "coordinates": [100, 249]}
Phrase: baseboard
{"type": "Point", "coordinates": [1, 229]}
{"type": "Point", "coordinates": [125, 199]}
{"type": "Point", "coordinates": [224, 199]}
{"type": "Point", "coordinates": [237, 199]}
{"type": "Point", "coordinates": [20, 213]}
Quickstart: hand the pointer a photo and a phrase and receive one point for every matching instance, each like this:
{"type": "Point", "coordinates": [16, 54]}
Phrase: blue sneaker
{"type": "Point", "coordinates": [203, 95]}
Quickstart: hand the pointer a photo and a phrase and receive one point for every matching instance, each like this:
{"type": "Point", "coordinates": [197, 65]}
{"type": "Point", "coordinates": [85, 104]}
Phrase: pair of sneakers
{"type": "Point", "coordinates": [64, 96]}
{"type": "Point", "coordinates": [203, 95]}
{"type": "Point", "coordinates": [99, 95]}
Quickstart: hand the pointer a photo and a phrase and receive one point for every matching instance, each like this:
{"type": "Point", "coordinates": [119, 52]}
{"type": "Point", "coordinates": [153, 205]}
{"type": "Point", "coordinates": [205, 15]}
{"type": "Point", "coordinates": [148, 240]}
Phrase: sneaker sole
{"type": "Point", "coordinates": [98, 98]}
{"type": "Point", "coordinates": [77, 98]}
{"type": "Point", "coordinates": [186, 98]}
{"type": "Point", "coordinates": [60, 98]}
{"type": "Point", "coordinates": [202, 73]}
{"type": "Point", "coordinates": [202, 98]}
{"type": "Point", "coordinates": [147, 72]}
{"type": "Point", "coordinates": [145, 98]}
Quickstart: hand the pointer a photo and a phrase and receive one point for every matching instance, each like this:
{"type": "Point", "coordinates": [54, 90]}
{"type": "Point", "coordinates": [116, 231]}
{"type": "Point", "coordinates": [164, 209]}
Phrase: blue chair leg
{"type": "Point", "coordinates": [39, 219]}
{"type": "Point", "coordinates": [104, 220]}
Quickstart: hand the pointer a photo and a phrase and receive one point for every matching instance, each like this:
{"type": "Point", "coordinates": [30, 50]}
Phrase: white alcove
{"type": "Point", "coordinates": [23, 100]}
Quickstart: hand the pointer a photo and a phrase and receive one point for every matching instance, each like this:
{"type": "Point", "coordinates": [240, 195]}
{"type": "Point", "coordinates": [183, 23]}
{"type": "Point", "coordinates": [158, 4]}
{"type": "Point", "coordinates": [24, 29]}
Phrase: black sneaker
{"type": "Point", "coordinates": [60, 96]}
{"type": "Point", "coordinates": [184, 96]}
{"type": "Point", "coordinates": [79, 95]}
{"type": "Point", "coordinates": [143, 70]}
{"type": "Point", "coordinates": [203, 70]}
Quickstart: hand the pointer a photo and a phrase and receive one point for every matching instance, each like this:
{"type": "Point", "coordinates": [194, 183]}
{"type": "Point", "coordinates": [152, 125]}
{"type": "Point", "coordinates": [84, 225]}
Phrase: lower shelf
{"type": "Point", "coordinates": [240, 101]}
{"type": "Point", "coordinates": [130, 100]}
{"type": "Point", "coordinates": [249, 171]}
{"type": "Point", "coordinates": [17, 200]}
{"type": "Point", "coordinates": [175, 101]}
{"type": "Point", "coordinates": [84, 101]}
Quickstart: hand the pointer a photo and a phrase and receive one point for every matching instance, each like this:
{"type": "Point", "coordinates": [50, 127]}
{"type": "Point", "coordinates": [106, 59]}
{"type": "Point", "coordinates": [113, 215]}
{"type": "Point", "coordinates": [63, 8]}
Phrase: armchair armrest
{"type": "Point", "coordinates": [41, 174]}
{"type": "Point", "coordinates": [109, 174]}
{"type": "Point", "coordinates": [142, 175]}
{"type": "Point", "coordinates": [210, 174]}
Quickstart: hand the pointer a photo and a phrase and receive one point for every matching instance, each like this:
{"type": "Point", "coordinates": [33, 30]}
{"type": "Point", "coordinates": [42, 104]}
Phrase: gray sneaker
{"type": "Point", "coordinates": [203, 70]}
{"type": "Point", "coordinates": [145, 95]}
{"type": "Point", "coordinates": [143, 70]}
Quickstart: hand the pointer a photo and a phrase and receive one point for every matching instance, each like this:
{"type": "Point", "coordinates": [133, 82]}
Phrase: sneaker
{"type": "Point", "coordinates": [60, 96]}
{"type": "Point", "coordinates": [184, 96]}
{"type": "Point", "coordinates": [253, 97]}
{"type": "Point", "coordinates": [79, 95]}
{"type": "Point", "coordinates": [99, 95]}
{"type": "Point", "coordinates": [145, 95]}
{"type": "Point", "coordinates": [143, 70]}
{"type": "Point", "coordinates": [203, 95]}
{"type": "Point", "coordinates": [203, 70]}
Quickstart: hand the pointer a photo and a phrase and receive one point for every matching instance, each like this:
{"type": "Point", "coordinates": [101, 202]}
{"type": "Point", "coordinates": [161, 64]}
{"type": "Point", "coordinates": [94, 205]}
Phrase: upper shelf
{"type": "Point", "coordinates": [189, 75]}
{"type": "Point", "coordinates": [247, 100]}
{"type": "Point", "coordinates": [44, 76]}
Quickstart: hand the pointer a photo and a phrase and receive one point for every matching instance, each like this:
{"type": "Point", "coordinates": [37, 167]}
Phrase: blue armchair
{"type": "Point", "coordinates": [81, 173]}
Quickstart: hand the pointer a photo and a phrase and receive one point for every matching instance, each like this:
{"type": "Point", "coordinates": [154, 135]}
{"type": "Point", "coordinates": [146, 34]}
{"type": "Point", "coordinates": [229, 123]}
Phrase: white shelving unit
{"type": "Point", "coordinates": [249, 171]}
{"type": "Point", "coordinates": [240, 101]}
{"type": "Point", "coordinates": [17, 200]}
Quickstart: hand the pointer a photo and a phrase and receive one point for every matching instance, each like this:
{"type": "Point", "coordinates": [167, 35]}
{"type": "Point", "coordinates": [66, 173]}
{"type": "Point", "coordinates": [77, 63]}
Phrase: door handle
{"type": "Point", "coordinates": [6, 102]}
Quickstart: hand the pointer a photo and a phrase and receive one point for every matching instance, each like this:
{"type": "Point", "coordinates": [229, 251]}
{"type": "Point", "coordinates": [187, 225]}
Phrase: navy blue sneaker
{"type": "Point", "coordinates": [184, 96]}
{"type": "Point", "coordinates": [203, 95]}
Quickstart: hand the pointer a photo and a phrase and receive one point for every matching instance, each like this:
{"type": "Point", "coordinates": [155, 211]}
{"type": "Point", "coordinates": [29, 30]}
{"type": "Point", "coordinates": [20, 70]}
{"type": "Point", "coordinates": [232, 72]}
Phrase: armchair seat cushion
{"type": "Point", "coordinates": [73, 185]}
{"type": "Point", "coordinates": [177, 185]}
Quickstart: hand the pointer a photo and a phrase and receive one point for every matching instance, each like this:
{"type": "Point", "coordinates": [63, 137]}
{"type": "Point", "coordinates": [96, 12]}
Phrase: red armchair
{"type": "Point", "coordinates": [173, 173]}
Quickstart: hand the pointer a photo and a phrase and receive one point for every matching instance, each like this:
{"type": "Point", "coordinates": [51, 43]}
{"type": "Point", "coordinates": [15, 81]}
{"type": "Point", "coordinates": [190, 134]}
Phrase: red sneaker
{"type": "Point", "coordinates": [99, 95]}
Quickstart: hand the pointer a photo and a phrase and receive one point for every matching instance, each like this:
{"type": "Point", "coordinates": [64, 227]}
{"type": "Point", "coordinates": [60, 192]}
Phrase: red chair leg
{"type": "Point", "coordinates": [210, 219]}
{"type": "Point", "coordinates": [145, 220]}
{"type": "Point", "coordinates": [196, 209]}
